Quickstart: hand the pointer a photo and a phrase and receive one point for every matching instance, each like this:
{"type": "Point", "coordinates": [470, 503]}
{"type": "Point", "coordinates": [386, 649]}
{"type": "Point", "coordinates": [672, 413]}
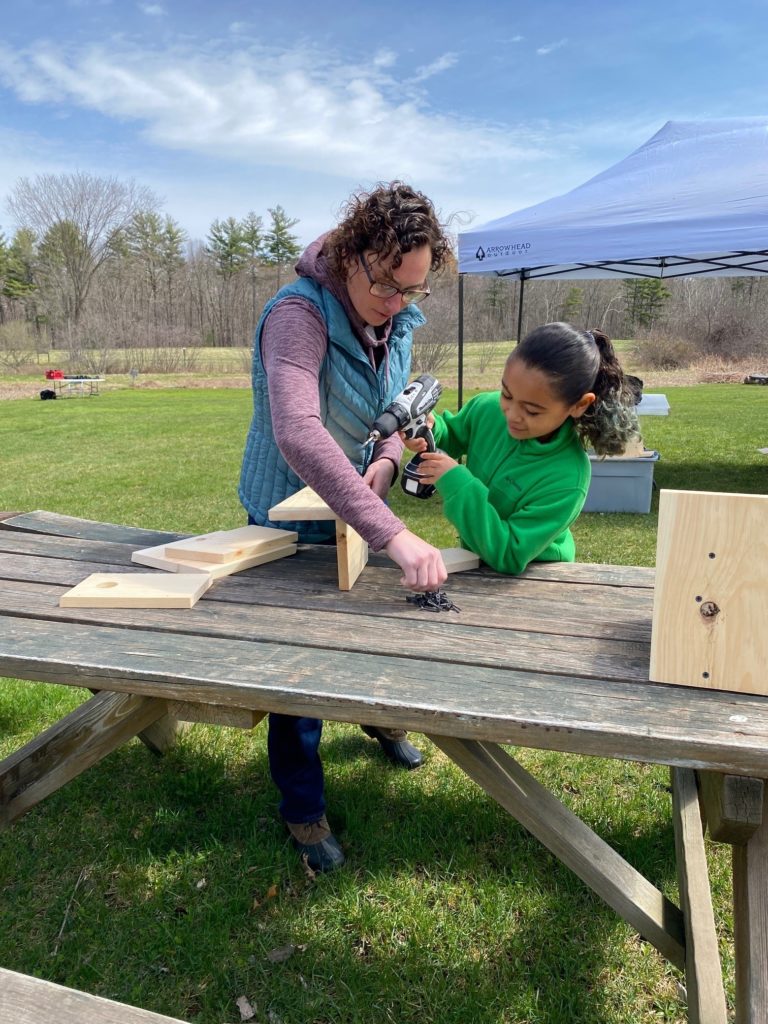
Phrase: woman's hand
{"type": "Point", "coordinates": [433, 465]}
{"type": "Point", "coordinates": [422, 565]}
{"type": "Point", "coordinates": [379, 476]}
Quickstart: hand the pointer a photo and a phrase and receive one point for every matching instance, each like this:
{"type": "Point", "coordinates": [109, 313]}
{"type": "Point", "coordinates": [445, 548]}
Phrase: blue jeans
{"type": "Point", "coordinates": [294, 764]}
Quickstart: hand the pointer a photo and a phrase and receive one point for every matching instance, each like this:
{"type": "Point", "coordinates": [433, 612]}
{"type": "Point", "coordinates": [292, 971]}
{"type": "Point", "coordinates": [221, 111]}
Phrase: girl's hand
{"type": "Point", "coordinates": [417, 444]}
{"type": "Point", "coordinates": [433, 465]}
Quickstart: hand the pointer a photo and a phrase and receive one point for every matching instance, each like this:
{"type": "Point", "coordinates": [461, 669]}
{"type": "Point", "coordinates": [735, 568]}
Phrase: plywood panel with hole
{"type": "Point", "coordinates": [711, 591]}
{"type": "Point", "coordinates": [136, 590]}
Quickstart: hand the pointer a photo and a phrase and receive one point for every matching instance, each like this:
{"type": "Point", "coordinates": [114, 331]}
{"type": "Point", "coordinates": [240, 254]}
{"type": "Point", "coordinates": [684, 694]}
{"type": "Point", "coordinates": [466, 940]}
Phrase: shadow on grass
{"type": "Point", "coordinates": [168, 882]}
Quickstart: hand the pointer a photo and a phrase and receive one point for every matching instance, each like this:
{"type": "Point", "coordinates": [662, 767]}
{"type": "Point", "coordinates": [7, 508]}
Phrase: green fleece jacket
{"type": "Point", "coordinates": [513, 501]}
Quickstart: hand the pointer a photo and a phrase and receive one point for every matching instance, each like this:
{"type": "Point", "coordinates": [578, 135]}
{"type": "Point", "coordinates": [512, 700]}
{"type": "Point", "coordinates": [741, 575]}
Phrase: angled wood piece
{"type": "Point", "coordinates": [157, 559]}
{"type": "Point", "coordinates": [226, 545]}
{"type": "Point", "coordinates": [351, 549]}
{"type": "Point", "coordinates": [61, 753]}
{"type": "Point", "coordinates": [136, 590]}
{"type": "Point", "coordinates": [304, 504]}
{"type": "Point", "coordinates": [711, 591]}
{"type": "Point", "coordinates": [622, 887]}
{"type": "Point", "coordinates": [459, 559]}
{"type": "Point", "coordinates": [28, 1000]}
{"type": "Point", "coordinates": [703, 971]}
{"type": "Point", "coordinates": [351, 555]}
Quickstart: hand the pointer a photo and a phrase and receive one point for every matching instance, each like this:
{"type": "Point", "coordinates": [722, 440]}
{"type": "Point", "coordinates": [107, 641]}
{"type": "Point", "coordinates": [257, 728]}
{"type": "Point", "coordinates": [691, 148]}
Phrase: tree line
{"type": "Point", "coordinates": [95, 267]}
{"type": "Point", "coordinates": [94, 258]}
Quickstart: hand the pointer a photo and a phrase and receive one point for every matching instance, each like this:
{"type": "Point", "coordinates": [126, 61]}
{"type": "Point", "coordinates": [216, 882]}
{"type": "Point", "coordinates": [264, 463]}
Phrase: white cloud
{"type": "Point", "coordinates": [384, 59]}
{"type": "Point", "coordinates": [300, 109]}
{"type": "Point", "coordinates": [153, 10]}
{"type": "Point", "coordinates": [441, 64]}
{"type": "Point", "coordinates": [543, 51]}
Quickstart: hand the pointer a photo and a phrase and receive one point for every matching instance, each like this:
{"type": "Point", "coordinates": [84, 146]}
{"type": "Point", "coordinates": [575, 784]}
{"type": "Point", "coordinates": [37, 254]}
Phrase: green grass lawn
{"type": "Point", "coordinates": [169, 883]}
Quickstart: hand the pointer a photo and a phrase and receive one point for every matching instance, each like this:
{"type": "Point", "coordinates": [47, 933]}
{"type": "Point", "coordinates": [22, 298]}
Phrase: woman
{"type": "Point", "coordinates": [331, 351]}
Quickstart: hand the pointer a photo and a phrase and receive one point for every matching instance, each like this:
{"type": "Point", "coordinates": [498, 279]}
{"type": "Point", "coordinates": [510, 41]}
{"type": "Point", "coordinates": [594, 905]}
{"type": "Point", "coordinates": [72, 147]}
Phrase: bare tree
{"type": "Point", "coordinates": [79, 215]}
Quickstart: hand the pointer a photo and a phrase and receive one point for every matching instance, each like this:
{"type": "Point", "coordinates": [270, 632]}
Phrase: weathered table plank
{"type": "Point", "coordinates": [550, 608]}
{"type": "Point", "coordinates": [68, 526]}
{"type": "Point", "coordinates": [439, 638]}
{"type": "Point", "coordinates": [635, 721]}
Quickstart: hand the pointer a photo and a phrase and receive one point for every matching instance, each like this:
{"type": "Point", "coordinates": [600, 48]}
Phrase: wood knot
{"type": "Point", "coordinates": [709, 609]}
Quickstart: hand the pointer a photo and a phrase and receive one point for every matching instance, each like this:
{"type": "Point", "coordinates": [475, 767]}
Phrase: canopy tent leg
{"type": "Point", "coordinates": [461, 340]}
{"type": "Point", "coordinates": [520, 307]}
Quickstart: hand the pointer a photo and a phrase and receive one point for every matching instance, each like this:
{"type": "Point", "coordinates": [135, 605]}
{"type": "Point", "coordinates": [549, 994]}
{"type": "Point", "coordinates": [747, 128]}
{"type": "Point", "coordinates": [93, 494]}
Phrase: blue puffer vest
{"type": "Point", "coordinates": [352, 394]}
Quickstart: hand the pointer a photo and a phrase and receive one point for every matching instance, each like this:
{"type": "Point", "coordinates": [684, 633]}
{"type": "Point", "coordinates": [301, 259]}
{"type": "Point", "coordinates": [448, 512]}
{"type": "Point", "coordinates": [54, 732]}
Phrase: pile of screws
{"type": "Point", "coordinates": [433, 601]}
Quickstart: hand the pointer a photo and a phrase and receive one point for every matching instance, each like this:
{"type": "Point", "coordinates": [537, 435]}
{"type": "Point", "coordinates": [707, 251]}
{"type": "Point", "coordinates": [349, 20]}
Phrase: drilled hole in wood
{"type": "Point", "coordinates": [106, 585]}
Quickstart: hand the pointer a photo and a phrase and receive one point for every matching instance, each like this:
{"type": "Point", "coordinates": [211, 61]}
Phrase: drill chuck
{"type": "Point", "coordinates": [408, 411]}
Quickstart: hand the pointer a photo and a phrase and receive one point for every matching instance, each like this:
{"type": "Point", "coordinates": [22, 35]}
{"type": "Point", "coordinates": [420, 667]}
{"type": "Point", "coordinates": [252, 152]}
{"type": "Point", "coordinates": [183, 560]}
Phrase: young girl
{"type": "Point", "coordinates": [527, 472]}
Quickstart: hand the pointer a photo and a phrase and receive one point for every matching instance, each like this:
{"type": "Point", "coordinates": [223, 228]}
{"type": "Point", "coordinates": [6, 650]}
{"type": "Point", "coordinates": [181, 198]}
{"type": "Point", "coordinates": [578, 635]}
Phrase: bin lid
{"type": "Point", "coordinates": [653, 405]}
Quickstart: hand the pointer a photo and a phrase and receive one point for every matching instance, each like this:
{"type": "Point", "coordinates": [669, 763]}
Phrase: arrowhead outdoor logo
{"type": "Point", "coordinates": [480, 254]}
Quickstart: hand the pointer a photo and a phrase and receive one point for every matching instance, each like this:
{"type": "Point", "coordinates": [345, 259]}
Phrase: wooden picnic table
{"type": "Point", "coordinates": [554, 659]}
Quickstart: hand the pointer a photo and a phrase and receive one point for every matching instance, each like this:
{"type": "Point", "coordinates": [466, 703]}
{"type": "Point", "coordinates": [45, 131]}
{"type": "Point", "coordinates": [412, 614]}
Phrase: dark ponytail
{"type": "Point", "coordinates": [577, 362]}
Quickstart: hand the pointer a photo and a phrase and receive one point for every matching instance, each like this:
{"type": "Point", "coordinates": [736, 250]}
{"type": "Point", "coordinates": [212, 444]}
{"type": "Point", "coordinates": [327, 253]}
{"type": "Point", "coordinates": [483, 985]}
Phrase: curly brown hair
{"type": "Point", "coordinates": [390, 220]}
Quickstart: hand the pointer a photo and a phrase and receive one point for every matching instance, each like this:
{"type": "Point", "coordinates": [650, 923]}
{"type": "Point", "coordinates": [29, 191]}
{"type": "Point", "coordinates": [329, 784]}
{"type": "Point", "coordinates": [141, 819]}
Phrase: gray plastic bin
{"type": "Point", "coordinates": [621, 485]}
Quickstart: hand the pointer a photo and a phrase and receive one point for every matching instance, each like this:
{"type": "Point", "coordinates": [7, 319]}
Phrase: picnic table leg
{"type": "Point", "coordinates": [162, 734]}
{"type": "Point", "coordinates": [61, 753]}
{"type": "Point", "coordinates": [750, 923]}
{"type": "Point", "coordinates": [622, 887]}
{"type": "Point", "coordinates": [703, 971]}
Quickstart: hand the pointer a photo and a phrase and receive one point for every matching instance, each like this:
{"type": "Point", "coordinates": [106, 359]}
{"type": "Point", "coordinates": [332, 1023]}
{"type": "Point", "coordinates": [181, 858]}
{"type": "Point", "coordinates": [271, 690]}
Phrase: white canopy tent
{"type": "Point", "coordinates": [693, 199]}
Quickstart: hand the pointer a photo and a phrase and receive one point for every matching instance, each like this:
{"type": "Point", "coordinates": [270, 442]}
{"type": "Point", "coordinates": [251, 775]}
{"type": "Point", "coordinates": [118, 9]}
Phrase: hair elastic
{"type": "Point", "coordinates": [590, 335]}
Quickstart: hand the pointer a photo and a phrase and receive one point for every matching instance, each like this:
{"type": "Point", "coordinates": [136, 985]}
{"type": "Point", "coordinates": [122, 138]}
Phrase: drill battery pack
{"type": "Point", "coordinates": [411, 481]}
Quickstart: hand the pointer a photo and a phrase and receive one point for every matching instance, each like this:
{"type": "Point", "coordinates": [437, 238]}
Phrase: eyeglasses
{"type": "Point", "coordinates": [386, 291]}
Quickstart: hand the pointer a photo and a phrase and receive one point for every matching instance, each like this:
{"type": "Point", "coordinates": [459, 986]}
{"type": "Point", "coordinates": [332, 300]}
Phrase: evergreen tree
{"type": "Point", "coordinates": [280, 246]}
{"type": "Point", "coordinates": [227, 246]}
{"type": "Point", "coordinates": [572, 306]}
{"type": "Point", "coordinates": [644, 299]}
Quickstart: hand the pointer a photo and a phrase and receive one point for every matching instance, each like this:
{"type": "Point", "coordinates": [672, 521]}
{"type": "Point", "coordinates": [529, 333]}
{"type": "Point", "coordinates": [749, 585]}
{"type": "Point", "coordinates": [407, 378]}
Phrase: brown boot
{"type": "Point", "coordinates": [315, 841]}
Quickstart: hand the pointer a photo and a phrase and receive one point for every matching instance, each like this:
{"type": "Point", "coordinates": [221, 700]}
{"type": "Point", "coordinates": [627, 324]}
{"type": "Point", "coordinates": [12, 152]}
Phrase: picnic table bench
{"type": "Point", "coordinates": [28, 1000]}
{"type": "Point", "coordinates": [557, 659]}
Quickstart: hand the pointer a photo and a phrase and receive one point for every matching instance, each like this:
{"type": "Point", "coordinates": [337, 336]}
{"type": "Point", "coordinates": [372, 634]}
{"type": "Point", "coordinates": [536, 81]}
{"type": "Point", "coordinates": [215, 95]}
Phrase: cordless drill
{"type": "Point", "coordinates": [408, 412]}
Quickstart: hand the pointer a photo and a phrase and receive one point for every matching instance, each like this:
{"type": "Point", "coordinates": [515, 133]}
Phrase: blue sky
{"type": "Point", "coordinates": [222, 108]}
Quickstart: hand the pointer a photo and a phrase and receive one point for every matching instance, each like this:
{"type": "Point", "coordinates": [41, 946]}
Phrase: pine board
{"type": "Point", "coordinates": [136, 590]}
{"type": "Point", "coordinates": [711, 591]}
